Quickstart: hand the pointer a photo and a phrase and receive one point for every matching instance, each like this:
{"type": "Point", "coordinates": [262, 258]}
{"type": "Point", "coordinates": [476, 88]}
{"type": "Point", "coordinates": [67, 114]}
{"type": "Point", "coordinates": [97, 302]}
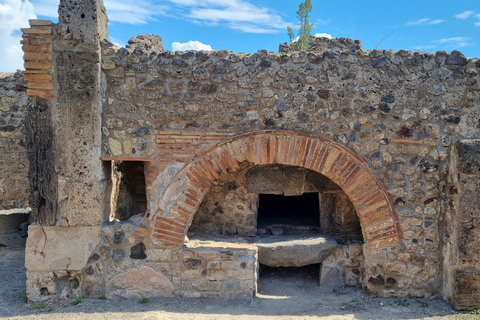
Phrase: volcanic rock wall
{"type": "Point", "coordinates": [381, 124]}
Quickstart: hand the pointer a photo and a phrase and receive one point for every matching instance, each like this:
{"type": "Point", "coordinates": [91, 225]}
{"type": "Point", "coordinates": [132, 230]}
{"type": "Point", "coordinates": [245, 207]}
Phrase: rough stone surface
{"type": "Point", "coordinates": [52, 248]}
{"type": "Point", "coordinates": [461, 253]}
{"type": "Point", "coordinates": [285, 251]}
{"type": "Point", "coordinates": [398, 113]}
{"type": "Point", "coordinates": [469, 156]}
{"type": "Point", "coordinates": [141, 282]}
{"type": "Point", "coordinates": [14, 185]}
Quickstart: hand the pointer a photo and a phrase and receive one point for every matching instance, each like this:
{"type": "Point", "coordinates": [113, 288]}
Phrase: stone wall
{"type": "Point", "coordinates": [14, 185]}
{"type": "Point", "coordinates": [398, 111]}
{"type": "Point", "coordinates": [379, 124]}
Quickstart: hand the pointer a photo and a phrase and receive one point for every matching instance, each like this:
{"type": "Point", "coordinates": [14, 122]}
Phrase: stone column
{"type": "Point", "coordinates": [461, 252]}
{"type": "Point", "coordinates": [57, 251]}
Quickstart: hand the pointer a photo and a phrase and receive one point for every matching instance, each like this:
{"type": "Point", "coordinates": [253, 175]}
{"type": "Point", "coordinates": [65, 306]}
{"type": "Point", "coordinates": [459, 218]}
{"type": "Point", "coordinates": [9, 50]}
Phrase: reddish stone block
{"type": "Point", "coordinates": [358, 182]}
{"type": "Point", "coordinates": [372, 199]}
{"type": "Point", "coordinates": [301, 151]}
{"type": "Point", "coordinates": [197, 179]}
{"type": "Point", "coordinates": [323, 94]}
{"type": "Point", "coordinates": [216, 161]}
{"type": "Point", "coordinates": [40, 85]}
{"type": "Point", "coordinates": [350, 170]}
{"type": "Point", "coordinates": [43, 48]}
{"type": "Point", "coordinates": [167, 227]}
{"type": "Point", "coordinates": [39, 93]}
{"type": "Point", "coordinates": [279, 150]}
{"type": "Point", "coordinates": [170, 234]}
{"type": "Point", "coordinates": [290, 151]}
{"type": "Point", "coordinates": [37, 65]}
{"type": "Point", "coordinates": [307, 152]}
{"type": "Point", "coordinates": [210, 169]}
{"type": "Point", "coordinates": [202, 171]}
{"type": "Point", "coordinates": [37, 56]}
{"type": "Point", "coordinates": [381, 228]}
{"type": "Point", "coordinates": [37, 77]}
{"type": "Point", "coordinates": [321, 158]}
{"type": "Point", "coordinates": [310, 160]}
{"type": "Point", "coordinates": [230, 157]}
{"type": "Point", "coordinates": [271, 149]}
{"type": "Point", "coordinates": [326, 167]}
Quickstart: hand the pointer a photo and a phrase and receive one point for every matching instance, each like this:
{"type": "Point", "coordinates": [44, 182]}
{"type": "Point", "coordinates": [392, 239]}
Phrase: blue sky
{"type": "Point", "coordinates": [247, 26]}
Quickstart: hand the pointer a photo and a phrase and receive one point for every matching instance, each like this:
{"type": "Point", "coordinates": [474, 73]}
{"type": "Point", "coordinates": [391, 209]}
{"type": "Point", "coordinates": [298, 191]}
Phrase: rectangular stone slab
{"type": "Point", "coordinates": [59, 248]}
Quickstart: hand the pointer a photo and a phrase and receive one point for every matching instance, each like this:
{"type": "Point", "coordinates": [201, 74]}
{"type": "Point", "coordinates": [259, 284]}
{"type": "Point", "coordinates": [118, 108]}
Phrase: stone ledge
{"type": "Point", "coordinates": [15, 211]}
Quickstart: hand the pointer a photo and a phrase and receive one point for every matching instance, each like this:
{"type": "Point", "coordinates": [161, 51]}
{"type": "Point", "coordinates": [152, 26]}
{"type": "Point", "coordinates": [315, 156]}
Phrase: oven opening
{"type": "Point", "coordinates": [278, 214]}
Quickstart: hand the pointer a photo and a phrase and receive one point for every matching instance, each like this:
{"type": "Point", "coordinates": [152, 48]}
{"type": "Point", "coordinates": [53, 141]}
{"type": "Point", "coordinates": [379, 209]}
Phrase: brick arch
{"type": "Point", "coordinates": [184, 193]}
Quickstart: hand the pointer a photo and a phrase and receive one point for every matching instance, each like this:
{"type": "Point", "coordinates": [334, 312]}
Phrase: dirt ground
{"type": "Point", "coordinates": [283, 294]}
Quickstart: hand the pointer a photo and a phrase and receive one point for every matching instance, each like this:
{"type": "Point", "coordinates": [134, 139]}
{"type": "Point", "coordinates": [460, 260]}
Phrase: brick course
{"type": "Point", "coordinates": [38, 47]}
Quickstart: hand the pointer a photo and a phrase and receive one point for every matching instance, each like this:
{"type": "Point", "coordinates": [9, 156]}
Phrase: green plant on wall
{"type": "Point", "coordinates": [305, 27]}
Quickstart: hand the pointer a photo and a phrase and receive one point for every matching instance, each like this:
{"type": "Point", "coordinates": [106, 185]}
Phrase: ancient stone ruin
{"type": "Point", "coordinates": [158, 173]}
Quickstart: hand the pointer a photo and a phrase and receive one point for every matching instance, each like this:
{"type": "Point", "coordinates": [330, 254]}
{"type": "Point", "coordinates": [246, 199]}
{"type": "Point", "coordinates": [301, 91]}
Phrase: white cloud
{"type": "Point", "coordinates": [323, 35]}
{"type": "Point", "coordinates": [321, 22]}
{"type": "Point", "coordinates": [116, 42]}
{"type": "Point", "coordinates": [123, 11]}
{"type": "Point", "coordinates": [469, 14]}
{"type": "Point", "coordinates": [14, 14]}
{"type": "Point", "coordinates": [234, 14]}
{"type": "Point", "coordinates": [455, 42]}
{"type": "Point", "coordinates": [47, 8]}
{"type": "Point", "coordinates": [446, 44]}
{"type": "Point", "coordinates": [464, 15]}
{"type": "Point", "coordinates": [477, 16]}
{"type": "Point", "coordinates": [423, 21]}
{"type": "Point", "coordinates": [134, 12]}
{"type": "Point", "coordinates": [190, 45]}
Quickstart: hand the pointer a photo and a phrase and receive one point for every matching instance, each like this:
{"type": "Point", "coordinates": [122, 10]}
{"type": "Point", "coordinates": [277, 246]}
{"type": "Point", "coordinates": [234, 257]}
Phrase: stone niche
{"type": "Point", "coordinates": [295, 217]}
{"type": "Point", "coordinates": [128, 197]}
{"type": "Point", "coordinates": [268, 200]}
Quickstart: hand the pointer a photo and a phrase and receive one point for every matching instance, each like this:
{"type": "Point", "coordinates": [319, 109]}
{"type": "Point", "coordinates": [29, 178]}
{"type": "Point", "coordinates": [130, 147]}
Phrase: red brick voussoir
{"type": "Point", "coordinates": [378, 219]}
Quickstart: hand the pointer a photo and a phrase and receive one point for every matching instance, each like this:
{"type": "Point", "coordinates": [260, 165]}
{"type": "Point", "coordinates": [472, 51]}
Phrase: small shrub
{"type": "Point", "coordinates": [24, 297]}
{"type": "Point", "coordinates": [77, 301]}
{"type": "Point", "coordinates": [475, 311]}
{"type": "Point", "coordinates": [338, 293]}
{"type": "Point", "coordinates": [40, 306]}
{"type": "Point", "coordinates": [50, 309]}
{"type": "Point", "coordinates": [422, 304]}
{"type": "Point", "coordinates": [144, 300]}
{"type": "Point", "coordinates": [402, 302]}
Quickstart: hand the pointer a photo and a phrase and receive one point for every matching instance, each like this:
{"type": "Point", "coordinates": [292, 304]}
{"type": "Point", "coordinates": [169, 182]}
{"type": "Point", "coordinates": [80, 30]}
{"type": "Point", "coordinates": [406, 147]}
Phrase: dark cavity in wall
{"type": "Point", "coordinates": [292, 214]}
{"type": "Point", "coordinates": [289, 279]}
{"type": "Point", "coordinates": [129, 195]}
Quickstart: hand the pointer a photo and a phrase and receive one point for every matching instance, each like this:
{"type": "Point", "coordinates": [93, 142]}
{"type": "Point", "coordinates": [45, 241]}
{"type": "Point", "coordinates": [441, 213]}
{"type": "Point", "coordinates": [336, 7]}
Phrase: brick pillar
{"type": "Point", "coordinates": [38, 47]}
{"type": "Point", "coordinates": [38, 56]}
{"type": "Point", "coordinates": [69, 94]}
